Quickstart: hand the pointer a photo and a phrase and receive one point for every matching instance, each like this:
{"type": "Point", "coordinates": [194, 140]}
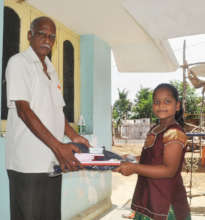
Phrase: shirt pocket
{"type": "Point", "coordinates": [57, 94]}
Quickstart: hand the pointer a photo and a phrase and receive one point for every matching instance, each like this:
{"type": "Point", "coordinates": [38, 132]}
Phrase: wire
{"type": "Point", "coordinates": [190, 46]}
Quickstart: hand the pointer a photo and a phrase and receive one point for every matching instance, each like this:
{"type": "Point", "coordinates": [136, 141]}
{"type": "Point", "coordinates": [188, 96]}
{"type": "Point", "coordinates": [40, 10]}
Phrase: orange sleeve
{"type": "Point", "coordinates": [174, 135]}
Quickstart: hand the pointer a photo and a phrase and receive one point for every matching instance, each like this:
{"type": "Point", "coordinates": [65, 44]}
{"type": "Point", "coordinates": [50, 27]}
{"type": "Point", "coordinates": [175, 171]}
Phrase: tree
{"type": "Point", "coordinates": [142, 107]}
{"type": "Point", "coordinates": [192, 99]}
{"type": "Point", "coordinates": [121, 108]}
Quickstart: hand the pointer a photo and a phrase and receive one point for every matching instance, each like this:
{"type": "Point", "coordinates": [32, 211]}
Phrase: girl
{"type": "Point", "coordinates": [160, 193]}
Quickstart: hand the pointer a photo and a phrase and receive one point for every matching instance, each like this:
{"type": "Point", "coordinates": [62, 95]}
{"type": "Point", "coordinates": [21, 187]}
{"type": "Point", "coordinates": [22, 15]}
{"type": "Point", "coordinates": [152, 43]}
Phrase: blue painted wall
{"type": "Point", "coordinates": [102, 114]}
{"type": "Point", "coordinates": [4, 185]}
{"type": "Point", "coordinates": [83, 189]}
{"type": "Point", "coordinates": [95, 68]}
{"type": "Point", "coordinates": [86, 80]}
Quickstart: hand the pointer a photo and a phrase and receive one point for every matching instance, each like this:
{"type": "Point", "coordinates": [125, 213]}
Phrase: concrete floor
{"type": "Point", "coordinates": [122, 191]}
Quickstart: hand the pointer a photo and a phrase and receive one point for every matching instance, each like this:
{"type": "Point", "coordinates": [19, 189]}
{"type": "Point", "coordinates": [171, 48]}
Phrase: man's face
{"type": "Point", "coordinates": [42, 38]}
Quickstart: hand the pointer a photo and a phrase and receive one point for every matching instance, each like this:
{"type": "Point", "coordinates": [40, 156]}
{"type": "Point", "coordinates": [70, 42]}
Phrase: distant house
{"type": "Point", "coordinates": [135, 129]}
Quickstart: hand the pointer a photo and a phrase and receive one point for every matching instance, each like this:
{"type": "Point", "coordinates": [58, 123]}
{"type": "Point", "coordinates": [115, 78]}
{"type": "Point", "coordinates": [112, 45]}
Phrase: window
{"type": "Point", "coordinates": [68, 80]}
{"type": "Point", "coordinates": [64, 56]}
{"type": "Point", "coordinates": [11, 41]}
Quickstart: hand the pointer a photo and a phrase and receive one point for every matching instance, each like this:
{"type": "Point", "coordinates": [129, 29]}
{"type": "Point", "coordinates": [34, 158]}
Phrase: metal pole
{"type": "Point", "coordinates": [193, 64]}
{"type": "Point", "coordinates": [184, 77]}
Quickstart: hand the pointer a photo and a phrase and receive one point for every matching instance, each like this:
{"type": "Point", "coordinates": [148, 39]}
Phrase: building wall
{"type": "Point", "coordinates": [88, 189]}
{"type": "Point", "coordinates": [86, 80]}
{"type": "Point", "coordinates": [95, 65]}
{"type": "Point", "coordinates": [4, 189]}
{"type": "Point", "coordinates": [135, 129]}
{"type": "Point", "coordinates": [84, 193]}
{"type": "Point", "coordinates": [102, 115]}
{"type": "Point", "coordinates": [26, 13]}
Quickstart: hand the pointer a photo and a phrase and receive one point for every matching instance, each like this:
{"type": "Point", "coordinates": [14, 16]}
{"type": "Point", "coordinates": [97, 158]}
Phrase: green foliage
{"type": "Point", "coordinates": [121, 107]}
{"type": "Point", "coordinates": [192, 99]}
{"type": "Point", "coordinates": [142, 106]}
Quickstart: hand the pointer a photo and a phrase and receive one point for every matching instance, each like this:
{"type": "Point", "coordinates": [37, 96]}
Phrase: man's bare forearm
{"type": "Point", "coordinates": [63, 152]}
{"type": "Point", "coordinates": [69, 131]}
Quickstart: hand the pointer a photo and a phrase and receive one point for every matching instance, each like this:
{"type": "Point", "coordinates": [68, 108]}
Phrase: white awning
{"type": "Point", "coordinates": [136, 30]}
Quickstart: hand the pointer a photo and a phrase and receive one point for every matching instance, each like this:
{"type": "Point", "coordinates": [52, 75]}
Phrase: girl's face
{"type": "Point", "coordinates": [164, 104]}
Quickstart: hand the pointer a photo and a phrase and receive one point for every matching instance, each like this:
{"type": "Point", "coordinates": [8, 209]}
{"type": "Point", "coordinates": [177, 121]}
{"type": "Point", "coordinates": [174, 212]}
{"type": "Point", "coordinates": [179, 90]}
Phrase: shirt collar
{"type": "Point", "coordinates": [31, 55]}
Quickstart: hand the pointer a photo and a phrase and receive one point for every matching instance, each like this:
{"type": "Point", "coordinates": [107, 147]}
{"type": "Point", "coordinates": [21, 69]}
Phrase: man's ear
{"type": "Point", "coordinates": [29, 35]}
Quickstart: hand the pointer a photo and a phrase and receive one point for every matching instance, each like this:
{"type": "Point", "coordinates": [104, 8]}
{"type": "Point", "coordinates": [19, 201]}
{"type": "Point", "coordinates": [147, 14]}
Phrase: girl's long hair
{"type": "Point", "coordinates": [179, 114]}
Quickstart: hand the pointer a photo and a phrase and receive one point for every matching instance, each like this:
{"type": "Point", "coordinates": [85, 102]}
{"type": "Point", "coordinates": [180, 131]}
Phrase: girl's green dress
{"type": "Point", "coordinates": [171, 216]}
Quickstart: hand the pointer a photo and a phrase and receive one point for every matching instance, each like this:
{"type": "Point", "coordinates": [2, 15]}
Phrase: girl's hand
{"type": "Point", "coordinates": [138, 158]}
{"type": "Point", "coordinates": [126, 168]}
{"type": "Point", "coordinates": [131, 158]}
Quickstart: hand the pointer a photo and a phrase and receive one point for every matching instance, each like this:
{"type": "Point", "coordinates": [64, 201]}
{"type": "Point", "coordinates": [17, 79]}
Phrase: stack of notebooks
{"type": "Point", "coordinates": [96, 159]}
{"type": "Point", "coordinates": [93, 158]}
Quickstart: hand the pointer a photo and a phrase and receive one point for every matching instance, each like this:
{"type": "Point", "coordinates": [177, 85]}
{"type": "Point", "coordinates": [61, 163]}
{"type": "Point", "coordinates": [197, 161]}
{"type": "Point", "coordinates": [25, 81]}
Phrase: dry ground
{"type": "Point", "coordinates": [195, 178]}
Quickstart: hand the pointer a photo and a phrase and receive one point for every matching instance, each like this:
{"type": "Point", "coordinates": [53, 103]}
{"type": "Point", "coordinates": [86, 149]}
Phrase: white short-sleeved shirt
{"type": "Point", "coordinates": [27, 81]}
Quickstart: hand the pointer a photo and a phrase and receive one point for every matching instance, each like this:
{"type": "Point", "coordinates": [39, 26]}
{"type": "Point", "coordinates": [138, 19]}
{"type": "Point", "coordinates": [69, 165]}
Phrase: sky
{"type": "Point", "coordinates": [132, 82]}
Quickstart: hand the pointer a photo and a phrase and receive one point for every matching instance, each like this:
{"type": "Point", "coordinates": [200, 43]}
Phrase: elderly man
{"type": "Point", "coordinates": [36, 126]}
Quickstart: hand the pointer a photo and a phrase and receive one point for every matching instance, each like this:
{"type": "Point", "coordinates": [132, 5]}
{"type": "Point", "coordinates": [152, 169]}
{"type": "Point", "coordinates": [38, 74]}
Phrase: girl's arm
{"type": "Point", "coordinates": [171, 161]}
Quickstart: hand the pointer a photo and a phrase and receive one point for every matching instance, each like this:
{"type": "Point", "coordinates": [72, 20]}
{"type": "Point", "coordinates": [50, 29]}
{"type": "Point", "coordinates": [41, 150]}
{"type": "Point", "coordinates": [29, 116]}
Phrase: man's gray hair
{"type": "Point", "coordinates": [36, 22]}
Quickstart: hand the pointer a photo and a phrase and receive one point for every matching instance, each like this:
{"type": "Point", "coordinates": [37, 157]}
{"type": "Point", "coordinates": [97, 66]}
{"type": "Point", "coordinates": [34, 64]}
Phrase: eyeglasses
{"type": "Point", "coordinates": [43, 35]}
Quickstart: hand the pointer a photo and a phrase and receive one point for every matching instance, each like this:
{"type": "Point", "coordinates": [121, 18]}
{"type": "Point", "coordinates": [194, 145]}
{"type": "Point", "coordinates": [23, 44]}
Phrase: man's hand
{"type": "Point", "coordinates": [126, 168]}
{"type": "Point", "coordinates": [66, 158]}
{"type": "Point", "coordinates": [74, 136]}
{"type": "Point", "coordinates": [81, 139]}
{"type": "Point", "coordinates": [63, 152]}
